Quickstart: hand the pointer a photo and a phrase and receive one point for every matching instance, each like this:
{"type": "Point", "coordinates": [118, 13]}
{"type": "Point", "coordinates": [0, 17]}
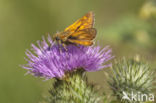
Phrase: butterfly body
{"type": "Point", "coordinates": [79, 33]}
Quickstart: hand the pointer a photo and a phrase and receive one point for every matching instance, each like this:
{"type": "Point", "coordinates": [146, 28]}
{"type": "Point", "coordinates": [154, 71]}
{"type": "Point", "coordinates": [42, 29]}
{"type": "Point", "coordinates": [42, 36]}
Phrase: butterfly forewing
{"type": "Point", "coordinates": [86, 21]}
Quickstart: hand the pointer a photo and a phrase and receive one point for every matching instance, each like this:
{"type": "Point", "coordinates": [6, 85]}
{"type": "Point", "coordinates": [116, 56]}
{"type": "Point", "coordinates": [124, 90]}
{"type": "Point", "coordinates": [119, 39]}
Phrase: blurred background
{"type": "Point", "coordinates": [127, 26]}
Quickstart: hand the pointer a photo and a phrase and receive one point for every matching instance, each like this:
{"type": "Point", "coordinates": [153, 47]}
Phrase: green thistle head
{"type": "Point", "coordinates": [73, 89]}
{"type": "Point", "coordinates": [131, 76]}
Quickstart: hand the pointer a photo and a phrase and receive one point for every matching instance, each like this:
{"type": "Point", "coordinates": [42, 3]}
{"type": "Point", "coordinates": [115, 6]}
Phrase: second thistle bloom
{"type": "Point", "coordinates": [48, 61]}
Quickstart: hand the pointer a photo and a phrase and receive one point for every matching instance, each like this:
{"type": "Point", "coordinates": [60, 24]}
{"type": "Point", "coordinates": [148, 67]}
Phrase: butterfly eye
{"type": "Point", "coordinates": [57, 38]}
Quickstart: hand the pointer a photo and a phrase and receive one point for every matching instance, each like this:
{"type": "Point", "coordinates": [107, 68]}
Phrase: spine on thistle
{"type": "Point", "coordinates": [132, 78]}
{"type": "Point", "coordinates": [73, 89]}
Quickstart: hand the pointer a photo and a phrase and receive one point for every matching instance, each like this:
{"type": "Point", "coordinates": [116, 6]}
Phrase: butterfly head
{"type": "Point", "coordinates": [56, 37]}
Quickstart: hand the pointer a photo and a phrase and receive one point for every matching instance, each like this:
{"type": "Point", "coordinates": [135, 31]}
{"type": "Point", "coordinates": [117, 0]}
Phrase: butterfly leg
{"type": "Point", "coordinates": [59, 44]}
{"type": "Point", "coordinates": [64, 46]}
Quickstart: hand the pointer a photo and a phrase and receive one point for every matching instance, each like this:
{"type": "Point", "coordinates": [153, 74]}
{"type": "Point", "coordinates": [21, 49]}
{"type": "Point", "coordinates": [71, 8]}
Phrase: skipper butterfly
{"type": "Point", "coordinates": [79, 33]}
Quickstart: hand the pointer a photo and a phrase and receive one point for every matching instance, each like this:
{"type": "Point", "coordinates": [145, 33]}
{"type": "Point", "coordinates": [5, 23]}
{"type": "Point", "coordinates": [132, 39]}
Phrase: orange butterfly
{"type": "Point", "coordinates": [81, 32]}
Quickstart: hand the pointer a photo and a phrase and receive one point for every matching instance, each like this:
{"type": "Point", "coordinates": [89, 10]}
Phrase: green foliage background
{"type": "Point", "coordinates": [22, 22]}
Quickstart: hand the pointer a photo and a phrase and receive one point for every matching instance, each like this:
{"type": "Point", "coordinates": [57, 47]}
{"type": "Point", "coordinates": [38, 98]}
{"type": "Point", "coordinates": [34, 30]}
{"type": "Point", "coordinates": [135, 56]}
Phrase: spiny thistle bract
{"type": "Point", "coordinates": [131, 76]}
{"type": "Point", "coordinates": [73, 89]}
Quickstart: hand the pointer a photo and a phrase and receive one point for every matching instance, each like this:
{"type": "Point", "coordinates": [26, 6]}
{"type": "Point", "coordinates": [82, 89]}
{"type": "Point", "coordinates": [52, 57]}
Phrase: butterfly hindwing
{"type": "Point", "coordinates": [85, 34]}
{"type": "Point", "coordinates": [81, 42]}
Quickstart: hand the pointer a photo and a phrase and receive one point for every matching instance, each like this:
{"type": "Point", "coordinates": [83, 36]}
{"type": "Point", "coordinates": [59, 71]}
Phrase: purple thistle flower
{"type": "Point", "coordinates": [49, 61]}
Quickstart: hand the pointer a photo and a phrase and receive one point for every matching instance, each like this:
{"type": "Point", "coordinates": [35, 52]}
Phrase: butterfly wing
{"type": "Point", "coordinates": [82, 42]}
{"type": "Point", "coordinates": [86, 21]}
{"type": "Point", "coordinates": [85, 34]}
{"type": "Point", "coordinates": [83, 37]}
